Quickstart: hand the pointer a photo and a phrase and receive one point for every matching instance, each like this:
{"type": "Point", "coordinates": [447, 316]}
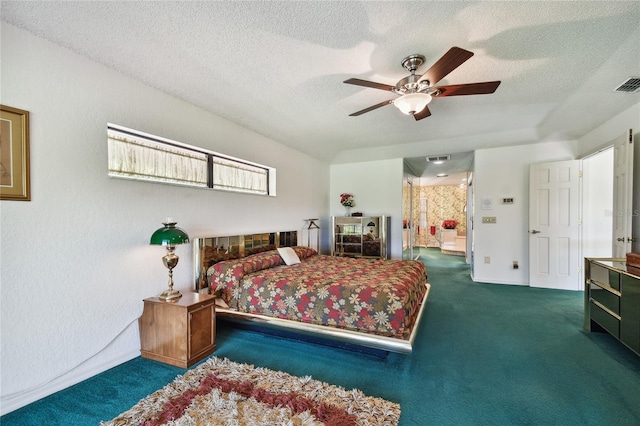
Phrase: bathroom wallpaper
{"type": "Point", "coordinates": [442, 203]}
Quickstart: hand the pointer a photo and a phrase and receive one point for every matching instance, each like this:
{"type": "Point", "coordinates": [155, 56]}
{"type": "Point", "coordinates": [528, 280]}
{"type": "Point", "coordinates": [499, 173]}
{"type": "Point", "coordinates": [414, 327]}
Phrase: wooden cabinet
{"type": "Point", "coordinates": [359, 236]}
{"type": "Point", "coordinates": [179, 333]}
{"type": "Point", "coordinates": [612, 300]}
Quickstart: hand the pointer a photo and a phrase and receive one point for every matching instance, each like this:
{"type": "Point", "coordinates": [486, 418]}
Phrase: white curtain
{"type": "Point", "coordinates": [234, 175]}
{"type": "Point", "coordinates": [138, 157]}
{"type": "Point", "coordinates": [135, 157]}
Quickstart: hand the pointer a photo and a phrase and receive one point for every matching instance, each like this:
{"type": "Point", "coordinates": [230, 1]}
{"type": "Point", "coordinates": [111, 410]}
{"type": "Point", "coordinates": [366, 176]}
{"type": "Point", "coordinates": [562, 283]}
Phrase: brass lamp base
{"type": "Point", "coordinates": [170, 294]}
{"type": "Point", "coordinates": [170, 260]}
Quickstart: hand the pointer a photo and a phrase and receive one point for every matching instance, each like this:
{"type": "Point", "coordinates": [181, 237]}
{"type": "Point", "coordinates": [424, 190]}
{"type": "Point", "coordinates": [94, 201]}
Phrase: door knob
{"type": "Point", "coordinates": [621, 239]}
{"type": "Point", "coordinates": [535, 232]}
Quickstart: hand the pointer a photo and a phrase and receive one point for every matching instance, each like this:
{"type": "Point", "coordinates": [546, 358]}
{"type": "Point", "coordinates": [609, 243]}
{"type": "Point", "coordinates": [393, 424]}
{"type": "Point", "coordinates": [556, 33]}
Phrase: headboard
{"type": "Point", "coordinates": [208, 251]}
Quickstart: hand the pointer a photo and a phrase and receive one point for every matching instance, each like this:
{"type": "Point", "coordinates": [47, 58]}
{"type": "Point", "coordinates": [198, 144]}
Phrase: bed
{"type": "Point", "coordinates": [370, 303]}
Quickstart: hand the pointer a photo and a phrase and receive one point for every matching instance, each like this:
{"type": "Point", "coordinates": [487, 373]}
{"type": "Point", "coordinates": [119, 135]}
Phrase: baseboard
{"type": "Point", "coordinates": [453, 252]}
{"type": "Point", "coordinates": [493, 281]}
{"type": "Point", "coordinates": [75, 376]}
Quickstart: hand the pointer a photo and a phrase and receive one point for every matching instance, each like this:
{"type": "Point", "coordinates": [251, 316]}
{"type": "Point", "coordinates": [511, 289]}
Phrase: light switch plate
{"type": "Point", "coordinates": [488, 219]}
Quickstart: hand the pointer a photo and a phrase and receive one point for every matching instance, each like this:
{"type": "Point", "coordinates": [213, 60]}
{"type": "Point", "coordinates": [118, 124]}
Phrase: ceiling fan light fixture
{"type": "Point", "coordinates": [412, 103]}
{"type": "Point", "coordinates": [414, 92]}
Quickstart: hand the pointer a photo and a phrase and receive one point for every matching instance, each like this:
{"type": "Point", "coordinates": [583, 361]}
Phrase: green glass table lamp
{"type": "Point", "coordinates": [170, 236]}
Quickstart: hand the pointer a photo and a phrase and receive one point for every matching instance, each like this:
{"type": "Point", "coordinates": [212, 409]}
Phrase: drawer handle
{"type": "Point", "coordinates": [606, 287]}
{"type": "Point", "coordinates": [604, 308]}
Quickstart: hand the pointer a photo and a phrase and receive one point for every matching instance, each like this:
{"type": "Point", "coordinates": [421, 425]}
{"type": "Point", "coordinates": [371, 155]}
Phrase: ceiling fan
{"type": "Point", "coordinates": [416, 91]}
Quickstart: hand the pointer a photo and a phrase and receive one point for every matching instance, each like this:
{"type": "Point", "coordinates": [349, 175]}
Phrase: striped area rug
{"type": "Point", "coordinates": [222, 392]}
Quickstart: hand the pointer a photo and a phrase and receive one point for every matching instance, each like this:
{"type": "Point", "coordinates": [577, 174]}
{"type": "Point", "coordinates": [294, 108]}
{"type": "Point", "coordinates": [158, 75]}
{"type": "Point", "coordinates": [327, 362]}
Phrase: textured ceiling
{"type": "Point", "coordinates": [278, 68]}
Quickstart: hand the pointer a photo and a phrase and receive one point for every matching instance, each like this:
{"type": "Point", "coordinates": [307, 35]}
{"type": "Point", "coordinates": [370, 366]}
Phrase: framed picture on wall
{"type": "Point", "coordinates": [14, 154]}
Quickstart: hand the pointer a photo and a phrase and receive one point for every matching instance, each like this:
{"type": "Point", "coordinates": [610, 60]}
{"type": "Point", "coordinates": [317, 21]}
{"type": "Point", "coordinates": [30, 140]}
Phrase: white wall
{"type": "Point", "coordinates": [75, 261]}
{"type": "Point", "coordinates": [504, 172]}
{"type": "Point", "coordinates": [499, 173]}
{"type": "Point", "coordinates": [601, 136]}
{"type": "Point", "coordinates": [377, 190]}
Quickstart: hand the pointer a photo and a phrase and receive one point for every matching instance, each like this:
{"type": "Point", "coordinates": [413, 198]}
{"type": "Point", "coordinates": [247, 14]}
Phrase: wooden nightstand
{"type": "Point", "coordinates": [179, 333]}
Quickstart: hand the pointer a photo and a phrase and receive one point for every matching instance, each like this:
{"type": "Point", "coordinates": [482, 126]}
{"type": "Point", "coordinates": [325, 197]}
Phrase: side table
{"type": "Point", "coordinates": [180, 332]}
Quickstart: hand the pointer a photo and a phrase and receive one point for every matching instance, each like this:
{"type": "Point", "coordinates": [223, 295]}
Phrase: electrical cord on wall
{"type": "Point", "coordinates": [32, 388]}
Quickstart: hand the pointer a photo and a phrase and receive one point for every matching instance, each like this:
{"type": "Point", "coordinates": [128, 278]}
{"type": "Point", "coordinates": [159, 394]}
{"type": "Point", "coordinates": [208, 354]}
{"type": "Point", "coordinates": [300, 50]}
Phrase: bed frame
{"type": "Point", "coordinates": [210, 250]}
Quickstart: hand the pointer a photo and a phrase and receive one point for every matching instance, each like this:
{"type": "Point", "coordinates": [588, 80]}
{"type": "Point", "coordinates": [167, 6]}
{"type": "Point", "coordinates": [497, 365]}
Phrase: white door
{"type": "Point", "coordinates": [622, 193]}
{"type": "Point", "coordinates": [554, 228]}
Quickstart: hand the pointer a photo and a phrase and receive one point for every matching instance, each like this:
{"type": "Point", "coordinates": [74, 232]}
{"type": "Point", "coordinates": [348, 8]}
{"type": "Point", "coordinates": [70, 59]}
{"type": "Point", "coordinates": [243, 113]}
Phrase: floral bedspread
{"type": "Point", "coordinates": [374, 296]}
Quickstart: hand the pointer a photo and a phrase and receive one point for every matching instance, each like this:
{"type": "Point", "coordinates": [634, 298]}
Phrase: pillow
{"type": "Point", "coordinates": [288, 255]}
{"type": "Point", "coordinates": [260, 261]}
{"type": "Point", "coordinates": [304, 252]}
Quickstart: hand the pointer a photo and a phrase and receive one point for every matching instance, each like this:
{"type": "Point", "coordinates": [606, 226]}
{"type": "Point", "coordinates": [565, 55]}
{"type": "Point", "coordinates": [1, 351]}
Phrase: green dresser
{"type": "Point", "coordinates": [612, 300]}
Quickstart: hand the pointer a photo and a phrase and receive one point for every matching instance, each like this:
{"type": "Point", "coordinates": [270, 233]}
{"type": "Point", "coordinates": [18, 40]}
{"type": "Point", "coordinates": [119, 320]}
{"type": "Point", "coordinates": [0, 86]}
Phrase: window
{"type": "Point", "coordinates": [137, 155]}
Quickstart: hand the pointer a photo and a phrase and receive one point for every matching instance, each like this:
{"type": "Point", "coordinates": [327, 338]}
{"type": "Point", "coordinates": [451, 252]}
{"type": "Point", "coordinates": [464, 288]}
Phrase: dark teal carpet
{"type": "Point", "coordinates": [486, 354]}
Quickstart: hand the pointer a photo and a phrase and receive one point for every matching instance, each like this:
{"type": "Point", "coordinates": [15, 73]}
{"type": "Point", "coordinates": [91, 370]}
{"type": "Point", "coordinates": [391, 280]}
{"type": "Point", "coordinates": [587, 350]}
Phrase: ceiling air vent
{"type": "Point", "coordinates": [433, 158]}
{"type": "Point", "coordinates": [630, 85]}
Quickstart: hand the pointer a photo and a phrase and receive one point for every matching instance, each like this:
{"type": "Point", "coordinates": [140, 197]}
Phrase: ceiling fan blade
{"type": "Point", "coordinates": [370, 84]}
{"type": "Point", "coordinates": [468, 89]}
{"type": "Point", "coordinates": [422, 114]}
{"type": "Point", "coordinates": [371, 108]}
{"type": "Point", "coordinates": [449, 62]}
